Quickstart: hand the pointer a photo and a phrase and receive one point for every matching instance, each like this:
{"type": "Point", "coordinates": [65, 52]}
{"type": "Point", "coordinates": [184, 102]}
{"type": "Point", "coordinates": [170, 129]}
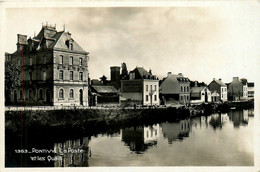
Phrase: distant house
{"type": "Point", "coordinates": [251, 91]}
{"type": "Point", "coordinates": [200, 94]}
{"type": "Point", "coordinates": [175, 89]}
{"type": "Point", "coordinates": [103, 95]}
{"type": "Point", "coordinates": [238, 89]}
{"type": "Point", "coordinates": [140, 89]}
{"type": "Point", "coordinates": [219, 87]}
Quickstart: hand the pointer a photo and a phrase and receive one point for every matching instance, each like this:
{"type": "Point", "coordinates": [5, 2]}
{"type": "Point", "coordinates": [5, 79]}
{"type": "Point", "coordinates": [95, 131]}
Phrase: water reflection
{"type": "Point", "coordinates": [176, 131]}
{"type": "Point", "coordinates": [140, 138]}
{"type": "Point", "coordinates": [218, 120]}
{"type": "Point", "coordinates": [72, 153]}
{"type": "Point", "coordinates": [239, 118]}
{"type": "Point", "coordinates": [228, 146]}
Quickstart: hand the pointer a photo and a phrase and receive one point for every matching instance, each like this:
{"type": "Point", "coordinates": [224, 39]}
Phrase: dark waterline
{"type": "Point", "coordinates": [215, 140]}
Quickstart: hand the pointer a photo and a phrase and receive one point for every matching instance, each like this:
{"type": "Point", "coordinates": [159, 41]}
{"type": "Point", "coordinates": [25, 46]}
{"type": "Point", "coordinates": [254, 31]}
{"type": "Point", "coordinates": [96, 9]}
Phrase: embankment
{"type": "Point", "coordinates": [58, 123]}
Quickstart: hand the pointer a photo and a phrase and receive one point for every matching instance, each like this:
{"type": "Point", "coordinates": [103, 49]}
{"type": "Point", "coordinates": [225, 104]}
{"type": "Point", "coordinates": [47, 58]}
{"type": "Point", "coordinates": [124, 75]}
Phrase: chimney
{"type": "Point", "coordinates": [169, 73]}
{"type": "Point", "coordinates": [115, 73]}
{"type": "Point", "coordinates": [214, 79]}
{"type": "Point", "coordinates": [180, 74]}
{"type": "Point", "coordinates": [21, 41]}
{"type": "Point", "coordinates": [196, 84]}
{"type": "Point", "coordinates": [235, 78]}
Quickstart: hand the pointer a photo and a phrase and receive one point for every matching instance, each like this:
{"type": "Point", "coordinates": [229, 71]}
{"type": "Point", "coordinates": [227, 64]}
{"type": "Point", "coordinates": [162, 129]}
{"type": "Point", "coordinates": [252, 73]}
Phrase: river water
{"type": "Point", "coordinates": [215, 140]}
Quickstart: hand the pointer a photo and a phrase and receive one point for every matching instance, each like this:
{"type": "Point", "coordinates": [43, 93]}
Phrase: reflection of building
{"type": "Point", "coordinates": [54, 69]}
{"type": "Point", "coordinates": [72, 159]}
{"type": "Point", "coordinates": [140, 138]}
{"type": "Point", "coordinates": [176, 131]}
{"type": "Point", "coordinates": [217, 120]}
{"type": "Point", "coordinates": [141, 88]}
{"type": "Point", "coordinates": [251, 91]}
{"type": "Point", "coordinates": [175, 88]}
{"type": "Point", "coordinates": [219, 87]}
{"type": "Point", "coordinates": [151, 133]}
{"type": "Point", "coordinates": [239, 117]}
{"type": "Point", "coordinates": [200, 94]}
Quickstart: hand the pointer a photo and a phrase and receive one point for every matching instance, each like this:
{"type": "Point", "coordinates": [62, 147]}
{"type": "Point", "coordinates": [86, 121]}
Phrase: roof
{"type": "Point", "coordinates": [141, 73]}
{"type": "Point", "coordinates": [170, 85]}
{"type": "Point", "coordinates": [195, 91]}
{"type": "Point", "coordinates": [104, 89]}
{"type": "Point", "coordinates": [54, 40]}
{"type": "Point", "coordinates": [219, 82]}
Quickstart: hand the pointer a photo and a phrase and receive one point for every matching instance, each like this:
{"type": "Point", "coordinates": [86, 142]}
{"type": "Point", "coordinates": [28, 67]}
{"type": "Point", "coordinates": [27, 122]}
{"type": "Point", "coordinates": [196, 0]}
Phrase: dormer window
{"type": "Point", "coordinates": [71, 46]}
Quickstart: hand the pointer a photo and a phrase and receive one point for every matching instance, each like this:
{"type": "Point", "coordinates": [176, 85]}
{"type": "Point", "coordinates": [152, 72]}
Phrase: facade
{"type": "Point", "coordinates": [142, 88]}
{"type": "Point", "coordinates": [200, 95]}
{"type": "Point", "coordinates": [251, 91]}
{"type": "Point", "coordinates": [238, 89]}
{"type": "Point", "coordinates": [54, 69]}
{"type": "Point", "coordinates": [175, 89]}
{"type": "Point", "coordinates": [219, 87]}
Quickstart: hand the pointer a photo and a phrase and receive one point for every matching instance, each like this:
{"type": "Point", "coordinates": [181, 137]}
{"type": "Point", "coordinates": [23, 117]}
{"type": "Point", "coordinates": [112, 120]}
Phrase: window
{"type": "Point", "coordinates": [181, 89]}
{"type": "Point", "coordinates": [40, 94]}
{"type": "Point", "coordinates": [18, 62]}
{"type": "Point", "coordinates": [181, 97]}
{"type": "Point", "coordinates": [61, 74]}
{"type": "Point", "coordinates": [30, 94]}
{"type": "Point", "coordinates": [71, 75]}
{"type": "Point", "coordinates": [44, 59]}
{"type": "Point", "coordinates": [30, 76]}
{"type": "Point", "coordinates": [61, 59]}
{"type": "Point", "coordinates": [71, 46]}
{"type": "Point", "coordinates": [188, 88]}
{"type": "Point", "coordinates": [61, 94]}
{"type": "Point", "coordinates": [146, 87]}
{"type": "Point", "coordinates": [30, 61]}
{"type": "Point", "coordinates": [184, 89]}
{"type": "Point", "coordinates": [44, 75]}
{"type": "Point", "coordinates": [154, 87]}
{"type": "Point", "coordinates": [146, 98]}
{"type": "Point", "coordinates": [155, 97]}
{"type": "Point", "coordinates": [71, 60]}
{"type": "Point", "coordinates": [81, 76]}
{"type": "Point", "coordinates": [21, 94]}
{"type": "Point", "coordinates": [151, 87]}
{"type": "Point", "coordinates": [187, 97]}
{"type": "Point", "coordinates": [80, 61]}
{"type": "Point", "coordinates": [71, 94]}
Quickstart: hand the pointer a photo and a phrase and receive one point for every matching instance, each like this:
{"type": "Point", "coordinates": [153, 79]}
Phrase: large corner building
{"type": "Point", "coordinates": [54, 69]}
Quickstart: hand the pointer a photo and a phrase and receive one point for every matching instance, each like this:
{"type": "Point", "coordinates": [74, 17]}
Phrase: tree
{"type": "Point", "coordinates": [124, 74]}
{"type": "Point", "coordinates": [12, 78]}
{"type": "Point", "coordinates": [103, 79]}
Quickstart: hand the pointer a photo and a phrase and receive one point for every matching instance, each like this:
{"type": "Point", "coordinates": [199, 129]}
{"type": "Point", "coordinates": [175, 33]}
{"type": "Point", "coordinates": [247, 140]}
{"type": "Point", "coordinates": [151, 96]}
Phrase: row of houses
{"type": "Point", "coordinates": [55, 72]}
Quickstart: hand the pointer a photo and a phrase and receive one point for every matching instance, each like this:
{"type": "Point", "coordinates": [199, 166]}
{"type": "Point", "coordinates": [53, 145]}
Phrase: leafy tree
{"type": "Point", "coordinates": [12, 78]}
{"type": "Point", "coordinates": [124, 74]}
{"type": "Point", "coordinates": [103, 79]}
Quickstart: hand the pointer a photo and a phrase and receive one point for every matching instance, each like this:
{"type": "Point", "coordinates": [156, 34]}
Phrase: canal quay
{"type": "Point", "coordinates": [221, 137]}
{"type": "Point", "coordinates": [129, 86]}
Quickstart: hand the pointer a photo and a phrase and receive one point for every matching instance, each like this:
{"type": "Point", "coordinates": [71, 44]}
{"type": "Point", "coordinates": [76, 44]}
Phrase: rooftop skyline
{"type": "Point", "coordinates": [201, 42]}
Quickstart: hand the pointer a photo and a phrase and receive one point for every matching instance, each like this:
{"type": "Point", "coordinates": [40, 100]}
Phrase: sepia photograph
{"type": "Point", "coordinates": [130, 86]}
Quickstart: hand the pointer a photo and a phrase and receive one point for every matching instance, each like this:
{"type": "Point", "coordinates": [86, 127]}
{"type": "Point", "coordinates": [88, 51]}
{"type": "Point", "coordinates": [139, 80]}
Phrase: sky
{"type": "Point", "coordinates": [201, 42]}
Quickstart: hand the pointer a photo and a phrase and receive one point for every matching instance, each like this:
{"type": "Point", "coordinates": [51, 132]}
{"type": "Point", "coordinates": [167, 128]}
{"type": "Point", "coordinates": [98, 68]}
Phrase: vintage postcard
{"type": "Point", "coordinates": [140, 86]}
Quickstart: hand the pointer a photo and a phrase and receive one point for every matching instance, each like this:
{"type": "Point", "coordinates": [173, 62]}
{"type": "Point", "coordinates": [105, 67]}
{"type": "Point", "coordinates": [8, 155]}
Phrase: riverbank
{"type": "Point", "coordinates": [82, 121]}
{"type": "Point", "coordinates": [75, 122]}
